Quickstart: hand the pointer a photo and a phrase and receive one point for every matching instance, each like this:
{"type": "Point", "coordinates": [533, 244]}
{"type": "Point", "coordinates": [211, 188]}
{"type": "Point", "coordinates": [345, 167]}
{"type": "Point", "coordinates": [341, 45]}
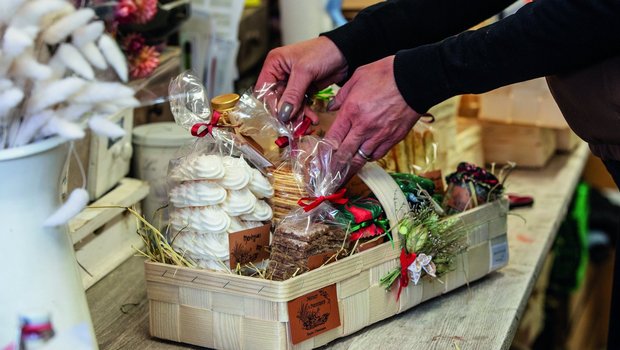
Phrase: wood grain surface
{"type": "Point", "coordinates": [484, 315]}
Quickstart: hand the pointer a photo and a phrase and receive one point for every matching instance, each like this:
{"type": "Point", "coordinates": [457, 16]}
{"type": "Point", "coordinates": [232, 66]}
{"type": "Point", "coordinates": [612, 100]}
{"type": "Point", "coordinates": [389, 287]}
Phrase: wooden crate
{"type": "Point", "coordinates": [105, 161]}
{"type": "Point", "coordinates": [226, 311]}
{"type": "Point", "coordinates": [102, 237]}
{"type": "Point", "coordinates": [526, 103]}
{"type": "Point", "coordinates": [528, 146]}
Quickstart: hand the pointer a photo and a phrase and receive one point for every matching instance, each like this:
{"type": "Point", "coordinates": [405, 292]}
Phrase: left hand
{"type": "Point", "coordinates": [372, 115]}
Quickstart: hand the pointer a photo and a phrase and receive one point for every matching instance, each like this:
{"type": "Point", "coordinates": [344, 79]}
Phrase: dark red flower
{"type": "Point", "coordinates": [133, 43]}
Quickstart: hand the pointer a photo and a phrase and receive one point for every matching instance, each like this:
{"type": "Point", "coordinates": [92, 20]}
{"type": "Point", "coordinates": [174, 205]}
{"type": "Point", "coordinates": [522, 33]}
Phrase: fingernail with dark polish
{"type": "Point", "coordinates": [330, 104]}
{"type": "Point", "coordinates": [285, 112]}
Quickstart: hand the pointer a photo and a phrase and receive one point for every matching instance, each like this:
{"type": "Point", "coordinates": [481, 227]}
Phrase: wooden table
{"type": "Point", "coordinates": [484, 315]}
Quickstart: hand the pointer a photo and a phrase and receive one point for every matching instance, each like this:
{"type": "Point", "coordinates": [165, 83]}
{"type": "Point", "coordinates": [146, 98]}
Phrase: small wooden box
{"type": "Point", "coordinates": [105, 237]}
{"type": "Point", "coordinates": [526, 103]}
{"type": "Point", "coordinates": [105, 161]}
{"type": "Point", "coordinates": [227, 311]}
{"type": "Point", "coordinates": [528, 146]}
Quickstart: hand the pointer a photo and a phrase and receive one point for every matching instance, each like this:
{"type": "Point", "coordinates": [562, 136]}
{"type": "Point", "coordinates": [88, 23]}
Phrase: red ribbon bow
{"type": "Point", "coordinates": [406, 259]}
{"type": "Point", "coordinates": [337, 198]}
{"type": "Point", "coordinates": [300, 131]}
{"type": "Point", "coordinates": [36, 328]}
{"type": "Point", "coordinates": [196, 128]}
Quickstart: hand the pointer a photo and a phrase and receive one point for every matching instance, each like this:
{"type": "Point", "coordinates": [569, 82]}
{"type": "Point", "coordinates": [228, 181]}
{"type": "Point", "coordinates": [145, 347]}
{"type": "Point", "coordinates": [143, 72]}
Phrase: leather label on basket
{"type": "Point", "coordinates": [316, 261]}
{"type": "Point", "coordinates": [249, 246]}
{"type": "Point", "coordinates": [313, 314]}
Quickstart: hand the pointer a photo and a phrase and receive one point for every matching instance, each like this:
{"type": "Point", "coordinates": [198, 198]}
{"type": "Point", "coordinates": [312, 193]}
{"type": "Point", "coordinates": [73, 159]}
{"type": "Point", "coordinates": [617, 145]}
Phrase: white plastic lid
{"type": "Point", "coordinates": [163, 134]}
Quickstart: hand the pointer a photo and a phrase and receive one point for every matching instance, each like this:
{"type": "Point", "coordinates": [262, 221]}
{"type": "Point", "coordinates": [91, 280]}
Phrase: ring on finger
{"type": "Point", "coordinates": [364, 155]}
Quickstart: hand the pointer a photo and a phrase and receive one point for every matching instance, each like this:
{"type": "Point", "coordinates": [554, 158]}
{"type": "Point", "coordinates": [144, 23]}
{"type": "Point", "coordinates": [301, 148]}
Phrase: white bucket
{"type": "Point", "coordinates": [154, 145]}
{"type": "Point", "coordinates": [39, 270]}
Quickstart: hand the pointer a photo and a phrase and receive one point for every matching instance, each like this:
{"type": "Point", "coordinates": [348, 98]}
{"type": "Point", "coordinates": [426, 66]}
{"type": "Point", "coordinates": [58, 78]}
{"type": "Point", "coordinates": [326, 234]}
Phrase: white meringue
{"type": "Point", "coordinates": [197, 193]}
{"type": "Point", "coordinates": [235, 177]}
{"type": "Point", "coordinates": [182, 172]}
{"type": "Point", "coordinates": [202, 245]}
{"type": "Point", "coordinates": [236, 225]}
{"type": "Point", "coordinates": [209, 167]}
{"type": "Point", "coordinates": [203, 167]}
{"type": "Point", "coordinates": [260, 186]}
{"type": "Point", "coordinates": [253, 224]}
{"type": "Point", "coordinates": [239, 202]}
{"type": "Point", "coordinates": [235, 161]}
{"type": "Point", "coordinates": [208, 251]}
{"type": "Point", "coordinates": [209, 219]}
{"type": "Point", "coordinates": [262, 212]}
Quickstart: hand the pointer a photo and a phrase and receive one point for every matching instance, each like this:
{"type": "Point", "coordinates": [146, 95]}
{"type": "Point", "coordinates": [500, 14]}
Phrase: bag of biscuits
{"type": "Point", "coordinates": [218, 191]}
{"type": "Point", "coordinates": [310, 235]}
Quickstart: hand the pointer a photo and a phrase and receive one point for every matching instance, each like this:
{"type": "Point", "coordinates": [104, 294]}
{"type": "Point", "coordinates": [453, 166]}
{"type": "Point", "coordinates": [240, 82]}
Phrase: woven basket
{"type": "Point", "coordinates": [225, 311]}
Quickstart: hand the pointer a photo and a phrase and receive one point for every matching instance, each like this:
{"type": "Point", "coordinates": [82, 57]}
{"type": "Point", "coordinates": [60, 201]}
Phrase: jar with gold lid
{"type": "Point", "coordinates": [261, 136]}
{"type": "Point", "coordinates": [224, 104]}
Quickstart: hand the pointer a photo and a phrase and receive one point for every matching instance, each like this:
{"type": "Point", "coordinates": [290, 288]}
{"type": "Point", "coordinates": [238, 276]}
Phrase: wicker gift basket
{"type": "Point", "coordinates": [227, 311]}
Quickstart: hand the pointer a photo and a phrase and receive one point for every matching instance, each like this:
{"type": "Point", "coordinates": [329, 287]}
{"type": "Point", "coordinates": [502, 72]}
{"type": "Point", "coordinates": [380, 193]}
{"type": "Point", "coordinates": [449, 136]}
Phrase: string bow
{"type": "Point", "coordinates": [309, 203]}
{"type": "Point", "coordinates": [204, 129]}
{"type": "Point", "coordinates": [422, 262]}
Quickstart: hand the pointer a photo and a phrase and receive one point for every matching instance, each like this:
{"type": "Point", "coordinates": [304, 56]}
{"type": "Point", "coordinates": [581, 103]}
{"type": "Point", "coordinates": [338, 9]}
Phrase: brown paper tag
{"type": "Point", "coordinates": [435, 176]}
{"type": "Point", "coordinates": [313, 314]}
{"type": "Point", "coordinates": [248, 246]}
{"type": "Point", "coordinates": [316, 261]}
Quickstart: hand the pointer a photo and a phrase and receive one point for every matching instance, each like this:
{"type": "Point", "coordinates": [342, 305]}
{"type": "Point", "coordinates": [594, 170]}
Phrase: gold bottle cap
{"type": "Point", "coordinates": [224, 102]}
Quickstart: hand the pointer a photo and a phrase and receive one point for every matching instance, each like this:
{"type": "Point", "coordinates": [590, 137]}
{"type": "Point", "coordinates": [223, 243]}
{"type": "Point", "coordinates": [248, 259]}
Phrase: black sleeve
{"type": "Point", "coordinates": [546, 37]}
{"type": "Point", "coordinates": [383, 29]}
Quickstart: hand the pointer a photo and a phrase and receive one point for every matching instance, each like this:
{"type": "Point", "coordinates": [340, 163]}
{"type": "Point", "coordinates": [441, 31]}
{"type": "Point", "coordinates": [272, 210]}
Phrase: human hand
{"type": "Point", "coordinates": [372, 115]}
{"type": "Point", "coordinates": [314, 63]}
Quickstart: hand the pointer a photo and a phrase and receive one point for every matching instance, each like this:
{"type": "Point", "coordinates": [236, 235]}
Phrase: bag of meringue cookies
{"type": "Point", "coordinates": [310, 235]}
{"type": "Point", "coordinates": [218, 192]}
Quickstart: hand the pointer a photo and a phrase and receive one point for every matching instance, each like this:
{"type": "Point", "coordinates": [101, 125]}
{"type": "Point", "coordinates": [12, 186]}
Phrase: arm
{"type": "Point", "coordinates": [383, 29]}
{"type": "Point", "coordinates": [545, 37]}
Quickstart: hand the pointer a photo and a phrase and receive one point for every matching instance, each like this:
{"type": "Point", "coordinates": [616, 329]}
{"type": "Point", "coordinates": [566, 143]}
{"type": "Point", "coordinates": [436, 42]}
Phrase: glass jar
{"type": "Point", "coordinates": [224, 104]}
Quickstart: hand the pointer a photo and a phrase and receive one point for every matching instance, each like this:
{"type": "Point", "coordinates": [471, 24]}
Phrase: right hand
{"type": "Point", "coordinates": [314, 63]}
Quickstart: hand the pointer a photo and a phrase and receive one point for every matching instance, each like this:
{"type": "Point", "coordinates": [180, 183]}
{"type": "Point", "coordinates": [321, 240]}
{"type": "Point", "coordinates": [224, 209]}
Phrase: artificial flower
{"type": "Point", "coordinates": [133, 43]}
{"type": "Point", "coordinates": [143, 63]}
{"type": "Point", "coordinates": [136, 11]}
